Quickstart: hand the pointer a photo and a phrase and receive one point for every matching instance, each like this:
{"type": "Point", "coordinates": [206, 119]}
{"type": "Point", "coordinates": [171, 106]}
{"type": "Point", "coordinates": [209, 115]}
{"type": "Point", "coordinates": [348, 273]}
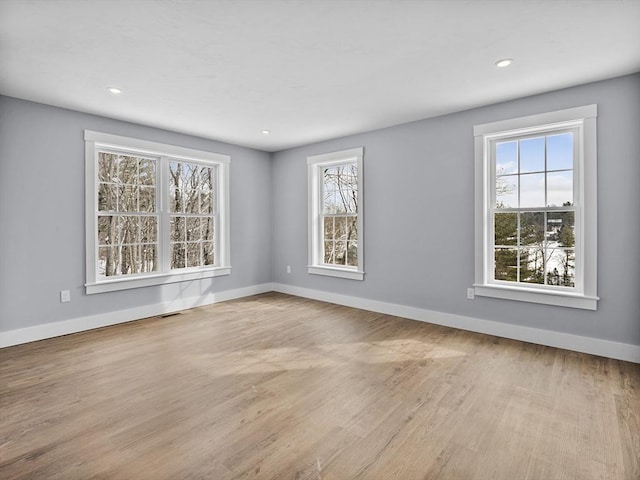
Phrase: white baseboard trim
{"type": "Point", "coordinates": [74, 325]}
{"type": "Point", "coordinates": [594, 346]}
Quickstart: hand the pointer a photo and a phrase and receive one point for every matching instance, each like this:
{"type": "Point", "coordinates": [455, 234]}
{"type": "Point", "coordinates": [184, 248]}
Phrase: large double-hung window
{"type": "Point", "coordinates": [536, 208]}
{"type": "Point", "coordinates": [155, 213]}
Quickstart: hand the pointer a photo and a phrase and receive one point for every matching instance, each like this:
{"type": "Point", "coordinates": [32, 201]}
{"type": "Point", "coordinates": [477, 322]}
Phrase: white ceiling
{"type": "Point", "coordinates": [307, 70]}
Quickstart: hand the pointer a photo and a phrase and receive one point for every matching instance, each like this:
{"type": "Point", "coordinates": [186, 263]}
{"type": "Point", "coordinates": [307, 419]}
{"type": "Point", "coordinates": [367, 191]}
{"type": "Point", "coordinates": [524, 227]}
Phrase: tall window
{"type": "Point", "coordinates": [127, 214]}
{"type": "Point", "coordinates": [192, 219]}
{"type": "Point", "coordinates": [534, 208]}
{"type": "Point", "coordinates": [155, 213]}
{"type": "Point", "coordinates": [535, 230]}
{"type": "Point", "coordinates": [335, 210]}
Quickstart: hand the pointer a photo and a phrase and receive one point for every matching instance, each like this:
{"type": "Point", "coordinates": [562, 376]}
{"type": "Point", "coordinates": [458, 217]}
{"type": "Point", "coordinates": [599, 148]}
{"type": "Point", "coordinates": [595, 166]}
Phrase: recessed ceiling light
{"type": "Point", "coordinates": [505, 62]}
{"type": "Point", "coordinates": [114, 90]}
{"type": "Point", "coordinates": [266, 132]}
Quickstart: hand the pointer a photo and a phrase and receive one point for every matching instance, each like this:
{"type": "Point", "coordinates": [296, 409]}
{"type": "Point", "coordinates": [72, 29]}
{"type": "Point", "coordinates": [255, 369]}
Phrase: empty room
{"type": "Point", "coordinates": [319, 239]}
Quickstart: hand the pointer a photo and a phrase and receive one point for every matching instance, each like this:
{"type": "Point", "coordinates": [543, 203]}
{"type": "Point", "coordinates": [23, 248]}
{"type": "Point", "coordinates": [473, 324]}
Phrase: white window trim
{"type": "Point", "coordinates": [315, 164]}
{"type": "Point", "coordinates": [584, 296]}
{"type": "Point", "coordinates": [143, 147]}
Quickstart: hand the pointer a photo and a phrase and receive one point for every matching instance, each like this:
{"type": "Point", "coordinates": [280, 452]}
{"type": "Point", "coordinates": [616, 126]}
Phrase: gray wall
{"type": "Point", "coordinates": [418, 225]}
{"type": "Point", "coordinates": [42, 216]}
{"type": "Point", "coordinates": [419, 201]}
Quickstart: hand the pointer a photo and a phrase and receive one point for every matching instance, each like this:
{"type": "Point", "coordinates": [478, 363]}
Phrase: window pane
{"type": "Point", "coordinates": [561, 229]}
{"type": "Point", "coordinates": [128, 259]}
{"type": "Point", "coordinates": [506, 158]}
{"type": "Point", "coordinates": [560, 151]}
{"type": "Point", "coordinates": [107, 230]}
{"type": "Point", "coordinates": [329, 252]}
{"type": "Point", "coordinates": [347, 189]}
{"type": "Point", "coordinates": [147, 199]}
{"type": "Point", "coordinates": [193, 254]}
{"type": "Point", "coordinates": [128, 199]}
{"type": "Point", "coordinates": [206, 202]}
{"type": "Point", "coordinates": [207, 253]}
{"type": "Point", "coordinates": [560, 189]}
{"type": "Point", "coordinates": [207, 228]}
{"type": "Point", "coordinates": [532, 228]}
{"type": "Point", "coordinates": [183, 186]}
{"type": "Point", "coordinates": [186, 180]}
{"type": "Point", "coordinates": [146, 172]}
{"type": "Point", "coordinates": [193, 229]}
{"type": "Point", "coordinates": [209, 176]}
{"type": "Point", "coordinates": [532, 190]}
{"type": "Point", "coordinates": [129, 229]}
{"type": "Point", "coordinates": [178, 255]}
{"type": "Point", "coordinates": [552, 271]}
{"type": "Point", "coordinates": [148, 229]}
{"type": "Point", "coordinates": [205, 187]}
{"type": "Point", "coordinates": [340, 253]}
{"type": "Point", "coordinates": [176, 200]}
{"type": "Point", "coordinates": [351, 176]}
{"type": "Point", "coordinates": [506, 264]}
{"type": "Point", "coordinates": [532, 155]}
{"type": "Point", "coordinates": [176, 227]}
{"type": "Point", "coordinates": [126, 256]}
{"type": "Point", "coordinates": [352, 254]}
{"type": "Point", "coordinates": [329, 228]}
{"type": "Point", "coordinates": [128, 169]}
{"type": "Point", "coordinates": [148, 258]}
{"type": "Point", "coordinates": [507, 191]}
{"type": "Point", "coordinates": [107, 261]}
{"type": "Point", "coordinates": [339, 189]}
{"type": "Point", "coordinates": [350, 200]}
{"type": "Point", "coordinates": [532, 265]}
{"type": "Point", "coordinates": [342, 200]}
{"type": "Point", "coordinates": [107, 197]}
{"type": "Point", "coordinates": [191, 201]}
{"type": "Point", "coordinates": [329, 178]}
{"type": "Point", "coordinates": [506, 228]}
{"type": "Point", "coordinates": [329, 201]}
{"type": "Point", "coordinates": [107, 167]}
{"type": "Point", "coordinates": [340, 232]}
{"type": "Point", "coordinates": [352, 228]}
{"type": "Point", "coordinates": [561, 267]}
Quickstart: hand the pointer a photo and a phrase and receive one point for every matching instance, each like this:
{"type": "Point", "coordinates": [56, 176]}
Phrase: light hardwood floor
{"type": "Point", "coordinates": [279, 387]}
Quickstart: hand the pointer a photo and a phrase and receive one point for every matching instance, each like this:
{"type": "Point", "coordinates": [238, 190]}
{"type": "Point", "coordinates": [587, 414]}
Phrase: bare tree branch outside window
{"type": "Point", "coordinates": [340, 215]}
{"type": "Point", "coordinates": [127, 218]}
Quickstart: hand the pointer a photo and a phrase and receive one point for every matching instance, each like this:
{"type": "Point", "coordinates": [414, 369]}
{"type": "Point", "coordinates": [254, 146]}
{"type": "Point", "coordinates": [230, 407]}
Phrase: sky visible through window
{"type": "Point", "coordinates": [535, 172]}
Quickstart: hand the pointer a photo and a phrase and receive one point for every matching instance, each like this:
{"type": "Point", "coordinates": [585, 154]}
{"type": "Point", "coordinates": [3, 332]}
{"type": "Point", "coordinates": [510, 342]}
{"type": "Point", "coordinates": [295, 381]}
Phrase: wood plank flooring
{"type": "Point", "coordinates": [279, 387]}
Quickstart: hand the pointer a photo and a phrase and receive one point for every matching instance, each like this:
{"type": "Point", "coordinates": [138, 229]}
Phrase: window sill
{"type": "Point", "coordinates": [113, 285]}
{"type": "Point", "coordinates": [557, 298]}
{"type": "Point", "coordinates": [351, 274]}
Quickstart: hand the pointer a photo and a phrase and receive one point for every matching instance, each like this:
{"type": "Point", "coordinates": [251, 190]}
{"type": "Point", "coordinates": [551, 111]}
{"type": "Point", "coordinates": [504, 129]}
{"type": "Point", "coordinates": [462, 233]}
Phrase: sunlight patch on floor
{"type": "Point", "coordinates": [334, 355]}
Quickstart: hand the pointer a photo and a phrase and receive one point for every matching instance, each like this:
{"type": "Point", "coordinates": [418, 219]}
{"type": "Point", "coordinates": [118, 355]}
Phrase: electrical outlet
{"type": "Point", "coordinates": [65, 296]}
{"type": "Point", "coordinates": [471, 293]}
{"type": "Point", "coordinates": [288, 268]}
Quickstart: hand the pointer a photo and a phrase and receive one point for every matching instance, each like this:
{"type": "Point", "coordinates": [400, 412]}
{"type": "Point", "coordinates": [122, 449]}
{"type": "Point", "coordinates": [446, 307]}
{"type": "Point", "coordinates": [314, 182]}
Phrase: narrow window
{"type": "Point", "coordinates": [192, 214]}
{"type": "Point", "coordinates": [335, 214]}
{"type": "Point", "coordinates": [127, 214]}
